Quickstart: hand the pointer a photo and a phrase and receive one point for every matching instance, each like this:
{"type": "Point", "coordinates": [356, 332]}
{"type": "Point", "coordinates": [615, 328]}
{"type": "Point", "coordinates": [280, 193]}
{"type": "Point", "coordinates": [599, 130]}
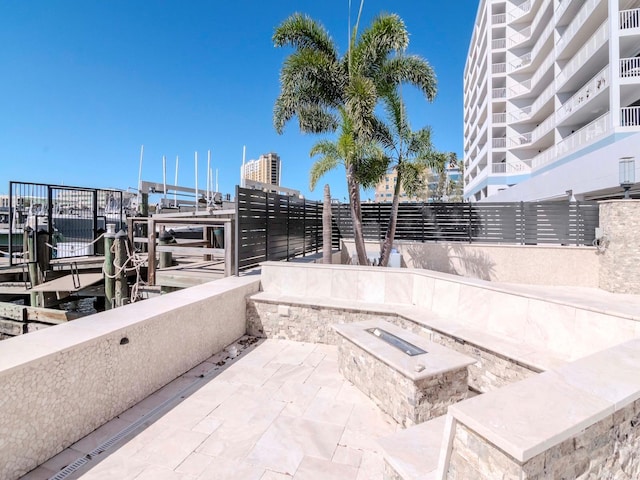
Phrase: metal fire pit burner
{"type": "Point", "coordinates": [397, 342]}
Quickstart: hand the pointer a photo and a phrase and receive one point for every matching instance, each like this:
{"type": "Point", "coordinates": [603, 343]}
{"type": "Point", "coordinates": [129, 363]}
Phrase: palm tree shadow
{"type": "Point", "coordinates": [453, 259]}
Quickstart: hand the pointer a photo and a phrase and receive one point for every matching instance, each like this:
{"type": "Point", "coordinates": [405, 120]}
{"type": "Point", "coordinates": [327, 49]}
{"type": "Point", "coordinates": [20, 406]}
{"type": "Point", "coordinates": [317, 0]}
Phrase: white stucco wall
{"type": "Point", "coordinates": [59, 384]}
{"type": "Point", "coordinates": [530, 264]}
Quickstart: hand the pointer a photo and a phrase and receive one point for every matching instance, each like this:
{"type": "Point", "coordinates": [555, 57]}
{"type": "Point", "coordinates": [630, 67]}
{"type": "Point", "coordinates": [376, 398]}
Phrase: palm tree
{"type": "Point", "coordinates": [322, 88]}
{"type": "Point", "coordinates": [410, 154]}
{"type": "Point", "coordinates": [366, 160]}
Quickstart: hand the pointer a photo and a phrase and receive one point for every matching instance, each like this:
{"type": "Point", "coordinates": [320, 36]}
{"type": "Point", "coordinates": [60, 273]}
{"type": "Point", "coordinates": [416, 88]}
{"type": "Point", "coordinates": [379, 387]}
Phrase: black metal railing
{"type": "Point", "coordinates": [73, 217]}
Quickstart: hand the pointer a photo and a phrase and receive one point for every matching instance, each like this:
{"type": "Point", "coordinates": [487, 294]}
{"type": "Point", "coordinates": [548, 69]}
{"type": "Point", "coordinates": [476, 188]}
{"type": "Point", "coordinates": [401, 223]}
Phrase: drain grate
{"type": "Point", "coordinates": [147, 417]}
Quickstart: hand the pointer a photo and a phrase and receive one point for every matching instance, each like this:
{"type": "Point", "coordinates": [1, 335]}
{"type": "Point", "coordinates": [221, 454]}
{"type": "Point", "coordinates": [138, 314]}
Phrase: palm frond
{"type": "Point", "coordinates": [386, 34]}
{"type": "Point", "coordinates": [301, 31]}
{"type": "Point", "coordinates": [411, 69]}
{"type": "Point", "coordinates": [327, 162]}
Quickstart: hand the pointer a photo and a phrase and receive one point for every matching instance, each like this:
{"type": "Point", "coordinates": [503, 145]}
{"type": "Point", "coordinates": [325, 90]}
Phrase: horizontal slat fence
{"type": "Point", "coordinates": [275, 227]}
{"type": "Point", "coordinates": [522, 223]}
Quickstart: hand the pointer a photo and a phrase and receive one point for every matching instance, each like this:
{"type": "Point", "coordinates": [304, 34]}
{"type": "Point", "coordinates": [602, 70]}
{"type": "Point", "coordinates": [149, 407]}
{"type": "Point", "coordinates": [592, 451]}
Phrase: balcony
{"type": "Point", "coordinates": [520, 37]}
{"type": "Point", "coordinates": [519, 89]}
{"type": "Point", "coordinates": [520, 62]}
{"type": "Point", "coordinates": [629, 19]}
{"type": "Point", "coordinates": [630, 67]}
{"type": "Point", "coordinates": [520, 11]}
{"type": "Point", "coordinates": [522, 140]}
{"type": "Point", "coordinates": [587, 134]}
{"type": "Point", "coordinates": [499, 142]}
{"type": "Point", "coordinates": [498, 43]}
{"type": "Point", "coordinates": [511, 168]}
{"type": "Point", "coordinates": [575, 25]}
{"type": "Point", "coordinates": [499, 18]}
{"type": "Point", "coordinates": [597, 40]}
{"type": "Point", "coordinates": [499, 118]}
{"type": "Point", "coordinates": [586, 94]}
{"type": "Point", "coordinates": [630, 117]}
{"type": "Point", "coordinates": [499, 68]}
{"type": "Point", "coordinates": [499, 93]}
{"type": "Point", "coordinates": [520, 115]}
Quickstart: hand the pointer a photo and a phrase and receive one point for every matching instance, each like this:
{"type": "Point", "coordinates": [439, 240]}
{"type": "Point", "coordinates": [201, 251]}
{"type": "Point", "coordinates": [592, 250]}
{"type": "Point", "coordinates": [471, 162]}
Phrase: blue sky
{"type": "Point", "coordinates": [84, 84]}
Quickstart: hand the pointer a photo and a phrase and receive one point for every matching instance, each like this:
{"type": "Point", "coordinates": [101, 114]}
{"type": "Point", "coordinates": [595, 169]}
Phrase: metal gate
{"type": "Point", "coordinates": [73, 217]}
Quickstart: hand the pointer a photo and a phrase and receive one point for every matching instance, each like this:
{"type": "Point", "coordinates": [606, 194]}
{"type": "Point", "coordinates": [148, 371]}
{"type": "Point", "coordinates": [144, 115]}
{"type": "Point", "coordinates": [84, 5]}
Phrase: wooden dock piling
{"type": "Point", "coordinates": [121, 262]}
{"type": "Point", "coordinates": [109, 268]}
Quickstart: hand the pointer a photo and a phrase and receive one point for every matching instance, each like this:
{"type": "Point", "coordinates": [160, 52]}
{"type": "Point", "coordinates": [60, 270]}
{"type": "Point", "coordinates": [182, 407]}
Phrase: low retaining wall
{"type": "Point", "coordinates": [529, 264]}
{"type": "Point", "coordinates": [62, 383]}
{"type": "Point", "coordinates": [580, 421]}
{"type": "Point", "coordinates": [311, 323]}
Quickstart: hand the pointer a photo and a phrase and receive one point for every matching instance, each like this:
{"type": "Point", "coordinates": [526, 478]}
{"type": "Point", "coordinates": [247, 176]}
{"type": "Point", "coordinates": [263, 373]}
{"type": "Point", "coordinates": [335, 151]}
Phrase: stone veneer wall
{"type": "Point", "coordinates": [309, 323]}
{"type": "Point", "coordinates": [619, 272]}
{"type": "Point", "coordinates": [491, 371]}
{"type": "Point", "coordinates": [606, 449]}
{"type": "Point", "coordinates": [407, 402]}
{"type": "Point", "coordinates": [61, 383]}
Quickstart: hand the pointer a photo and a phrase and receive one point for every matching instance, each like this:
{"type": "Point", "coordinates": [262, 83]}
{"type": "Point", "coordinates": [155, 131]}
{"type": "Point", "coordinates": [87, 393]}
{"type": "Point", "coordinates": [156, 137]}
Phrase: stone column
{"type": "Point", "coordinates": [620, 250]}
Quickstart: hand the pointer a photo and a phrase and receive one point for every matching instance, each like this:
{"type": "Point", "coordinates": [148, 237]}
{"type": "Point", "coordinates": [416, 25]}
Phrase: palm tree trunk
{"type": "Point", "coordinates": [385, 250]}
{"type": "Point", "coordinates": [326, 226]}
{"type": "Point", "coordinates": [356, 216]}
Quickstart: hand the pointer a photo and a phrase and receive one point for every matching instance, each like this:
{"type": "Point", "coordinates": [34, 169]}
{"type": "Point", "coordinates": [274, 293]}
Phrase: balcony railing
{"type": "Point", "coordinates": [543, 98]}
{"type": "Point", "coordinates": [630, 117]}
{"type": "Point", "coordinates": [520, 36]}
{"type": "Point", "coordinates": [498, 43]}
{"type": "Point", "coordinates": [562, 6]}
{"type": "Point", "coordinates": [598, 83]}
{"type": "Point", "coordinates": [545, 157]}
{"type": "Point", "coordinates": [523, 139]}
{"type": "Point", "coordinates": [499, 68]}
{"type": "Point", "coordinates": [630, 67]}
{"type": "Point", "coordinates": [584, 13]}
{"type": "Point", "coordinates": [544, 128]}
{"type": "Point", "coordinates": [520, 89]}
{"type": "Point", "coordinates": [499, 18]}
{"type": "Point", "coordinates": [599, 38]}
{"type": "Point", "coordinates": [519, 167]}
{"type": "Point", "coordinates": [499, 93]}
{"type": "Point", "coordinates": [499, 142]}
{"type": "Point", "coordinates": [630, 19]}
{"type": "Point", "coordinates": [520, 115]}
{"type": "Point", "coordinates": [520, 10]}
{"type": "Point", "coordinates": [499, 118]}
{"type": "Point", "coordinates": [594, 130]}
{"type": "Point", "coordinates": [521, 61]}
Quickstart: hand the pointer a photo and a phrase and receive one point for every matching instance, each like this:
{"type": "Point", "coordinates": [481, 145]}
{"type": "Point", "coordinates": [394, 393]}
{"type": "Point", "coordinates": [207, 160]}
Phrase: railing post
{"type": "Point", "coordinates": [288, 224]}
{"type": "Point", "coordinates": [304, 228]}
{"type": "Point", "coordinates": [266, 226]}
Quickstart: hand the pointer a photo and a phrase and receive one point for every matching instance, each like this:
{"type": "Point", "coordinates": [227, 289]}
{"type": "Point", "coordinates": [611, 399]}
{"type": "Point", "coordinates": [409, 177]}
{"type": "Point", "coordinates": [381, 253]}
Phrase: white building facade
{"type": "Point", "coordinates": [551, 99]}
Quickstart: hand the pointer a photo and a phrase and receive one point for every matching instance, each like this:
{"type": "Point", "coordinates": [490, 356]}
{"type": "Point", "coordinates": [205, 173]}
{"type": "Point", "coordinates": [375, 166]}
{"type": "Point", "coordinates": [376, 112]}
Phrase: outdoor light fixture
{"type": "Point", "coordinates": [627, 174]}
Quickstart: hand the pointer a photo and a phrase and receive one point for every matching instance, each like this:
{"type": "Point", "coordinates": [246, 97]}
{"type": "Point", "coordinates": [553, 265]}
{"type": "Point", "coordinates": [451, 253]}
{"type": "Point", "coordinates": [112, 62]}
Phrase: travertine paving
{"type": "Point", "coordinates": [282, 410]}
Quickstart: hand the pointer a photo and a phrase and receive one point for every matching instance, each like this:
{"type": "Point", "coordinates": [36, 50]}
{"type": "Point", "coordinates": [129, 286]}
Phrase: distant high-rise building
{"type": "Point", "coordinates": [265, 169]}
{"type": "Point", "coordinates": [385, 188]}
{"type": "Point", "coordinates": [551, 98]}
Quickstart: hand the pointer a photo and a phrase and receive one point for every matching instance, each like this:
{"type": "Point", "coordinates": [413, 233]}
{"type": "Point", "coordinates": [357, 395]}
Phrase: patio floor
{"type": "Point", "coordinates": [281, 410]}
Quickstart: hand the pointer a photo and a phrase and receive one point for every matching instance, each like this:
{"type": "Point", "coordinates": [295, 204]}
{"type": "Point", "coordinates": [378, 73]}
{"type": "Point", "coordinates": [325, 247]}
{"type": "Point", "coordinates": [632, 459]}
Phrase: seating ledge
{"type": "Point", "coordinates": [526, 355]}
{"type": "Point", "coordinates": [414, 453]}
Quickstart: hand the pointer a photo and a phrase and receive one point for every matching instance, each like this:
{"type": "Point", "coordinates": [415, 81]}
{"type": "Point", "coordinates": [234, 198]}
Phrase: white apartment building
{"type": "Point", "coordinates": [551, 99]}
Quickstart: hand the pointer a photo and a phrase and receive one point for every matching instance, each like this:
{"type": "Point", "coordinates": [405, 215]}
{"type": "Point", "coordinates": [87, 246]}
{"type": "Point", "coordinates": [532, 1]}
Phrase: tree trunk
{"type": "Point", "coordinates": [387, 245]}
{"type": "Point", "coordinates": [326, 226]}
{"type": "Point", "coordinates": [356, 217]}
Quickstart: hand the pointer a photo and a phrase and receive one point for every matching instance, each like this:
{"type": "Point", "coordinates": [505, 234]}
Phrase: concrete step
{"type": "Point", "coordinates": [413, 453]}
